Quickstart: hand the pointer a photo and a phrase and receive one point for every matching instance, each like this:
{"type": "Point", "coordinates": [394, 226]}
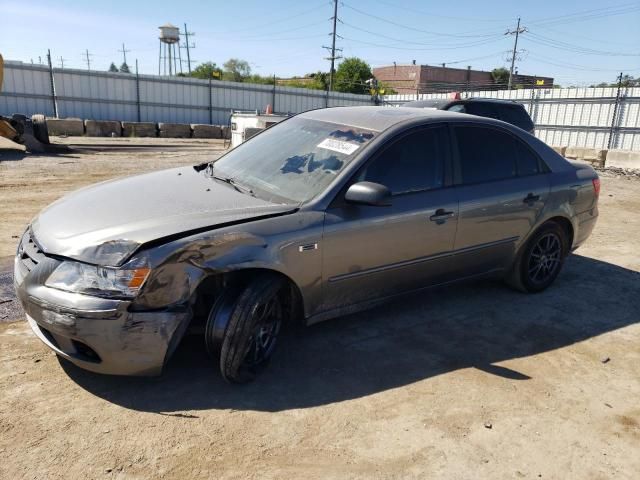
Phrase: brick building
{"type": "Point", "coordinates": [428, 79]}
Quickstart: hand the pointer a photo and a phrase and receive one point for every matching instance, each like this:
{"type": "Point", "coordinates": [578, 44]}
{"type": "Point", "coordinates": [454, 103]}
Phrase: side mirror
{"type": "Point", "coordinates": [368, 193]}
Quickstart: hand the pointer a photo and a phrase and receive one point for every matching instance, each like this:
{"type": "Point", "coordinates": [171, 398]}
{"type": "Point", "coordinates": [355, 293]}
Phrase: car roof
{"type": "Point", "coordinates": [488, 100]}
{"type": "Point", "coordinates": [378, 118]}
{"type": "Point", "coordinates": [430, 103]}
{"type": "Point", "coordinates": [445, 102]}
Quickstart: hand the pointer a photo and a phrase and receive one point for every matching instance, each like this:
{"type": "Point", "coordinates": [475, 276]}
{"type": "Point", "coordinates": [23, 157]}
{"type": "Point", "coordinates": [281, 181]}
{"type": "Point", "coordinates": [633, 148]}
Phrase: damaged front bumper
{"type": "Point", "coordinates": [97, 334]}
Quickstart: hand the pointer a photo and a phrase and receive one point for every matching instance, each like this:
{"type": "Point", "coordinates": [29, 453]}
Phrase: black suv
{"type": "Point", "coordinates": [505, 110]}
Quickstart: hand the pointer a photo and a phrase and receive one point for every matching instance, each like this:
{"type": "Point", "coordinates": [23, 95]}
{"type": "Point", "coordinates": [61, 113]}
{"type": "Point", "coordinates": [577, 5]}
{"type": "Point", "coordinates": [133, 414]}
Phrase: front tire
{"type": "Point", "coordinates": [253, 321]}
{"type": "Point", "coordinates": [540, 262]}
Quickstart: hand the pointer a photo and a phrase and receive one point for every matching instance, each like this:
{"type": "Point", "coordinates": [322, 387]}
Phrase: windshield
{"type": "Point", "coordinates": [293, 161]}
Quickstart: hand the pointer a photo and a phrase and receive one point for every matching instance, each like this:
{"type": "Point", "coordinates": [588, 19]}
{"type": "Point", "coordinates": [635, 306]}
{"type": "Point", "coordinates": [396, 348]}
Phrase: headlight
{"type": "Point", "coordinates": [99, 281]}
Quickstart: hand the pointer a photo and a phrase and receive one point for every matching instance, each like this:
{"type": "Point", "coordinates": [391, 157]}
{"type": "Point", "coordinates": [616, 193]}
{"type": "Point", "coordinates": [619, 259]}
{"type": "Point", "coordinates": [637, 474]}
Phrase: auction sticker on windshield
{"type": "Point", "coordinates": [338, 146]}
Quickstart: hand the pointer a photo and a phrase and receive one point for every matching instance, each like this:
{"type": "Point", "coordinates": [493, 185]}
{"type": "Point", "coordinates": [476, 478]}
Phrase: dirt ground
{"type": "Point", "coordinates": [474, 381]}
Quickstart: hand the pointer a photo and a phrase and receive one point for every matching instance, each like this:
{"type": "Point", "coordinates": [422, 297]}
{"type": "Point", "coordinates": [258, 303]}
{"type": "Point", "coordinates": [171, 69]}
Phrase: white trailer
{"type": "Point", "coordinates": [246, 124]}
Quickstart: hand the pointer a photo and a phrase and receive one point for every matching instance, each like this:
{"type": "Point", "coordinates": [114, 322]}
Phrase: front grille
{"type": "Point", "coordinates": [29, 253]}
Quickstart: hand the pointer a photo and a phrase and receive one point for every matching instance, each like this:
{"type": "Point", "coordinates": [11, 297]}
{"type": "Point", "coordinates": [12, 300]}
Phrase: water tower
{"type": "Point", "coordinates": [169, 37]}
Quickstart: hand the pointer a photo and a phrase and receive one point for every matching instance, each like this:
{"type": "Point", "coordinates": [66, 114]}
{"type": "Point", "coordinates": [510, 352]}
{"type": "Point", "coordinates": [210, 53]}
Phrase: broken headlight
{"type": "Point", "coordinates": [99, 281]}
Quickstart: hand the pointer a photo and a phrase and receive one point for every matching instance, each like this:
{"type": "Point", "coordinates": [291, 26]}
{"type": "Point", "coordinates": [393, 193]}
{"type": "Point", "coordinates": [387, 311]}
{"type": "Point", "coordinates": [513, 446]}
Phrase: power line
{"type": "Point", "coordinates": [574, 35]}
{"type": "Point", "coordinates": [560, 45]}
{"type": "Point", "coordinates": [280, 19]}
{"type": "Point", "coordinates": [515, 32]}
{"type": "Point", "coordinates": [269, 35]}
{"type": "Point", "coordinates": [584, 15]}
{"type": "Point", "coordinates": [408, 27]}
{"type": "Point", "coordinates": [573, 66]}
{"type": "Point", "coordinates": [422, 49]}
{"type": "Point", "coordinates": [404, 41]}
{"type": "Point", "coordinates": [274, 39]}
{"type": "Point", "coordinates": [432, 15]}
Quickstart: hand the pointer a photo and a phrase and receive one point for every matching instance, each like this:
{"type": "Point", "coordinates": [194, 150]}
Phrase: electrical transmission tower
{"type": "Point", "coordinates": [515, 32]}
{"type": "Point", "coordinates": [333, 48]}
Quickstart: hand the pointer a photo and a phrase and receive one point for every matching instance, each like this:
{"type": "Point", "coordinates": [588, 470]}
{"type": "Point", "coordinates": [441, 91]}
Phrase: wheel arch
{"type": "Point", "coordinates": [210, 287]}
{"type": "Point", "coordinates": [566, 225]}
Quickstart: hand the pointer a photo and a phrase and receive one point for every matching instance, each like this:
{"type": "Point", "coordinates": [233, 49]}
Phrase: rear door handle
{"type": "Point", "coordinates": [441, 216]}
{"type": "Point", "coordinates": [531, 198]}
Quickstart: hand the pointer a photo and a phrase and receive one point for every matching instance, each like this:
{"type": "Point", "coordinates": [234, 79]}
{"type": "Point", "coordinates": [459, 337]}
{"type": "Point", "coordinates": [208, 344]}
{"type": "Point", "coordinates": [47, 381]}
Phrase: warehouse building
{"type": "Point", "coordinates": [429, 79]}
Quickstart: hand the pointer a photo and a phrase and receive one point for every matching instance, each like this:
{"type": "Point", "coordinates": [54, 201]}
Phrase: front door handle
{"type": "Point", "coordinates": [441, 216]}
{"type": "Point", "coordinates": [531, 198]}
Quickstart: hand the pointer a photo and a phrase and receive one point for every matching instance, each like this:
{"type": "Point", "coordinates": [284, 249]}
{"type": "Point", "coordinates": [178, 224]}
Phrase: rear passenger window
{"type": "Point", "coordinates": [482, 110]}
{"type": "Point", "coordinates": [413, 163]}
{"type": "Point", "coordinates": [485, 154]}
{"type": "Point", "coordinates": [526, 160]}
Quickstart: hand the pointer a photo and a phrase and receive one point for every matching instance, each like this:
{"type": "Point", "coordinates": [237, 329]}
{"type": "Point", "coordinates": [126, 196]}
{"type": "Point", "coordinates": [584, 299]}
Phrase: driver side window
{"type": "Point", "coordinates": [413, 163]}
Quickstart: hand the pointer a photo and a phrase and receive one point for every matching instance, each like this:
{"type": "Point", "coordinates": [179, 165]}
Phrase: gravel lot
{"type": "Point", "coordinates": [474, 381]}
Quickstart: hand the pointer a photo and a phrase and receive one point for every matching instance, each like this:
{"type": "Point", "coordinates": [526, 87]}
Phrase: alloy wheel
{"type": "Point", "coordinates": [545, 258]}
{"type": "Point", "coordinates": [263, 338]}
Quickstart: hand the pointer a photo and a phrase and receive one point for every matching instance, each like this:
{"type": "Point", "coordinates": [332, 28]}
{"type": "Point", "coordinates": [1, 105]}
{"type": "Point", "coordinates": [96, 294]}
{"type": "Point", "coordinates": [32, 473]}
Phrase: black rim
{"type": "Point", "coordinates": [544, 259]}
{"type": "Point", "coordinates": [263, 338]}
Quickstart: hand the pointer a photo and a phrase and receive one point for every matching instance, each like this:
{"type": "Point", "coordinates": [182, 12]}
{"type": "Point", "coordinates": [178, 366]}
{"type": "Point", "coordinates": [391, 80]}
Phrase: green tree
{"type": "Point", "coordinates": [124, 68]}
{"type": "Point", "coordinates": [500, 76]}
{"type": "Point", "coordinates": [386, 88]}
{"type": "Point", "coordinates": [320, 80]}
{"type": "Point", "coordinates": [113, 68]}
{"type": "Point", "coordinates": [255, 78]}
{"type": "Point", "coordinates": [207, 70]}
{"type": "Point", "coordinates": [629, 81]}
{"type": "Point", "coordinates": [236, 70]}
{"type": "Point", "coordinates": [352, 75]}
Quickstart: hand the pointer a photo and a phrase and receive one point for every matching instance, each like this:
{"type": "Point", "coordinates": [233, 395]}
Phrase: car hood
{"type": "Point", "coordinates": [105, 223]}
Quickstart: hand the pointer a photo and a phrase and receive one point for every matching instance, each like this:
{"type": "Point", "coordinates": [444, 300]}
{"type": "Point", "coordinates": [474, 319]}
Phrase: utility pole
{"type": "Point", "coordinates": [333, 49]}
{"type": "Point", "coordinates": [124, 52]}
{"type": "Point", "coordinates": [187, 46]}
{"type": "Point", "coordinates": [87, 56]}
{"type": "Point", "coordinates": [61, 60]}
{"type": "Point", "coordinates": [52, 85]}
{"type": "Point", "coordinates": [614, 118]}
{"type": "Point", "coordinates": [517, 32]}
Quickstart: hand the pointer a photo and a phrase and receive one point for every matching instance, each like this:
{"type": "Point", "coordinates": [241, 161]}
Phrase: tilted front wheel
{"type": "Point", "coordinates": [253, 321]}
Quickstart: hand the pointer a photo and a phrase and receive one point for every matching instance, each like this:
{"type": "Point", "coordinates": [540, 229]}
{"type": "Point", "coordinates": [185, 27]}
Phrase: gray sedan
{"type": "Point", "coordinates": [329, 212]}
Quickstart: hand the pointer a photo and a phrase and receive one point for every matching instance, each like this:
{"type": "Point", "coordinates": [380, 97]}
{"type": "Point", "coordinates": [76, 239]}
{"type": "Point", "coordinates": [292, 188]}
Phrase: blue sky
{"type": "Point", "coordinates": [578, 43]}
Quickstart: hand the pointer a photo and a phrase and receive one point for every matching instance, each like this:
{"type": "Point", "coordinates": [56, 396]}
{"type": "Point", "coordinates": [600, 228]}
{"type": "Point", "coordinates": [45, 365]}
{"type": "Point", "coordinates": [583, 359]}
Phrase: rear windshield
{"type": "Point", "coordinates": [295, 160]}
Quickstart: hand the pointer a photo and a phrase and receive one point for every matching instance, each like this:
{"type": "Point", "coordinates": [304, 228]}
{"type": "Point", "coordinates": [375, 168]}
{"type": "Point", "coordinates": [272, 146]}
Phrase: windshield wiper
{"type": "Point", "coordinates": [230, 181]}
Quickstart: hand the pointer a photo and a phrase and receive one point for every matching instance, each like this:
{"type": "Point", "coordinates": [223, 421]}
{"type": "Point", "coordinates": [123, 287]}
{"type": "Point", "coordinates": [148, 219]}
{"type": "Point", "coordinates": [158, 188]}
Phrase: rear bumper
{"type": "Point", "coordinates": [97, 334]}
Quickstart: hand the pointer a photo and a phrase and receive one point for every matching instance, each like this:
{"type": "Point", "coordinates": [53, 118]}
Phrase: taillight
{"type": "Point", "coordinates": [596, 186]}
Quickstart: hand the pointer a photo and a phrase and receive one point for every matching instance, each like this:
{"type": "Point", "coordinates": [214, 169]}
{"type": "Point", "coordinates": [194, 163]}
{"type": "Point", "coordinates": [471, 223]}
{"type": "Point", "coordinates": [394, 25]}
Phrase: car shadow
{"type": "Point", "coordinates": [420, 336]}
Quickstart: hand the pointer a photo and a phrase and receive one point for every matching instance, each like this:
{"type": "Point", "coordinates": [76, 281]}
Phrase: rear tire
{"type": "Point", "coordinates": [40, 129]}
{"type": "Point", "coordinates": [541, 260]}
{"type": "Point", "coordinates": [253, 319]}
